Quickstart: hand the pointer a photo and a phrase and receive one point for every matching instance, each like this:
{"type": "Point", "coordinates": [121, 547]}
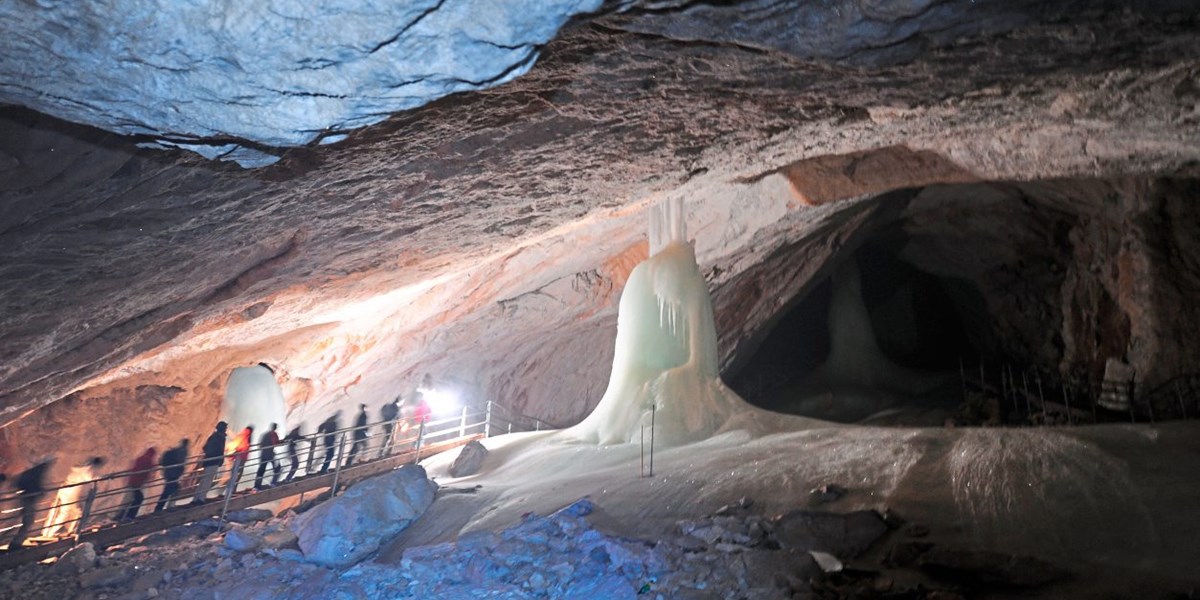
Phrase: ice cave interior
{"type": "Point", "coordinates": [765, 261]}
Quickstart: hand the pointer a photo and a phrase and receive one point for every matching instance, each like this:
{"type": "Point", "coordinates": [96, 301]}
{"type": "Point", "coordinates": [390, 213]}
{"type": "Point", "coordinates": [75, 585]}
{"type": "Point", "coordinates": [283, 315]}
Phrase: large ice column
{"type": "Point", "coordinates": [855, 358]}
{"type": "Point", "coordinates": [854, 355]}
{"type": "Point", "coordinates": [253, 397]}
{"type": "Point", "coordinates": [666, 349]}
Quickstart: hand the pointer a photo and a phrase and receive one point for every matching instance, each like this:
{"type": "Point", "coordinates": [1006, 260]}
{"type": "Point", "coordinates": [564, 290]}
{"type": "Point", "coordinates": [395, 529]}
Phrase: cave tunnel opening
{"type": "Point", "coordinates": [918, 319]}
{"type": "Point", "coordinates": [903, 331]}
{"type": "Point", "coordinates": [994, 303]}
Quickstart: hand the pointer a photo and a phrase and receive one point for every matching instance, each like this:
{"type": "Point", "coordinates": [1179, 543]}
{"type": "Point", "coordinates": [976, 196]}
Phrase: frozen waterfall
{"type": "Point", "coordinates": [666, 349]}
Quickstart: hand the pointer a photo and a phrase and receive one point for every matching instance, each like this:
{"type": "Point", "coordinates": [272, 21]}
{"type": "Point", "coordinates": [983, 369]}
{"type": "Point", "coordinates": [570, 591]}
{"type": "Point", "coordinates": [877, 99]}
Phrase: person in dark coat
{"type": "Point", "coordinates": [360, 434]}
{"type": "Point", "coordinates": [266, 456]}
{"type": "Point", "coordinates": [329, 427]}
{"type": "Point", "coordinates": [139, 474]}
{"type": "Point", "coordinates": [293, 440]}
{"type": "Point", "coordinates": [31, 485]}
{"type": "Point", "coordinates": [172, 463]}
{"type": "Point", "coordinates": [390, 412]}
{"type": "Point", "coordinates": [214, 455]}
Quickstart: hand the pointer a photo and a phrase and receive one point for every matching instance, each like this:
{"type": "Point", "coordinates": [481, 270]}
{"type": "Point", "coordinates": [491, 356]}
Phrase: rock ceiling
{"type": "Point", "coordinates": [485, 237]}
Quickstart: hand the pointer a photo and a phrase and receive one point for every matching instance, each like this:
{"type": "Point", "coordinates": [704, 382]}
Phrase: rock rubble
{"type": "Point", "coordinates": [731, 554]}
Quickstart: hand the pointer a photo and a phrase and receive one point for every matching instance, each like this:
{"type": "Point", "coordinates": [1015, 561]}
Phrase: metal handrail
{"type": "Point", "coordinates": [1074, 397]}
{"type": "Point", "coordinates": [96, 504]}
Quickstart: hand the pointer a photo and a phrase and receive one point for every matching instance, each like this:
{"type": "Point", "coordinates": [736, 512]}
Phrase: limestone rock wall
{"type": "Point", "coordinates": [865, 32]}
{"type": "Point", "coordinates": [485, 238]}
{"type": "Point", "coordinates": [207, 75]}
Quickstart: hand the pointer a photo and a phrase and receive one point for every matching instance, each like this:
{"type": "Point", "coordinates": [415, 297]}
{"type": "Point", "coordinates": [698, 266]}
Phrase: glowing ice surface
{"type": "Point", "coordinates": [666, 349]}
{"type": "Point", "coordinates": [253, 397]}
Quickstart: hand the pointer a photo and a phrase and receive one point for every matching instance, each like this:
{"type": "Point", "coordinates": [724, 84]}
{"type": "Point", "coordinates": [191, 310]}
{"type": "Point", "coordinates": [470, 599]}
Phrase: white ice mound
{"type": "Point", "coordinates": [666, 350]}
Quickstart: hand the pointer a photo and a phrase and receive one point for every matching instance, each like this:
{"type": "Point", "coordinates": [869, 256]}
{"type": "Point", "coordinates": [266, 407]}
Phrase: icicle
{"type": "Point", "coordinates": [667, 224]}
{"type": "Point", "coordinates": [668, 359]}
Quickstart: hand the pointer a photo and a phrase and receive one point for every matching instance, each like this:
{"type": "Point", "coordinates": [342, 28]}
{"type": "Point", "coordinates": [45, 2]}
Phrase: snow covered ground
{"type": "Point", "coordinates": [1114, 506]}
{"type": "Point", "coordinates": [1116, 498]}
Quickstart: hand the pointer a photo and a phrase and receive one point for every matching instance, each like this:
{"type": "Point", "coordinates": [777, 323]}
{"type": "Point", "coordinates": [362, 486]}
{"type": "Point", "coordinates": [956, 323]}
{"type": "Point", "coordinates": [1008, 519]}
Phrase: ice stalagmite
{"type": "Point", "coordinates": [666, 350]}
{"type": "Point", "coordinates": [253, 397]}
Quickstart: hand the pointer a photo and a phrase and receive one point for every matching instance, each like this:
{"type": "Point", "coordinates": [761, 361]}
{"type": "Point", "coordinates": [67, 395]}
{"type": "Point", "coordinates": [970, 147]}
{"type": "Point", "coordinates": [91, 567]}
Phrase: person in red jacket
{"type": "Point", "coordinates": [241, 454]}
{"type": "Point", "coordinates": [139, 474]}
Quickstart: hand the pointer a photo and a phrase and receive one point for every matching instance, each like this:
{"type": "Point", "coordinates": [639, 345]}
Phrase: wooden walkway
{"type": "Point", "coordinates": [112, 533]}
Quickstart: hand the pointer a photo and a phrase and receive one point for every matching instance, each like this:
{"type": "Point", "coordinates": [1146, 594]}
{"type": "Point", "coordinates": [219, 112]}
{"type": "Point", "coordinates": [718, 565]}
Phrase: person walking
{"type": "Point", "coordinates": [390, 412]}
{"type": "Point", "coordinates": [421, 412]}
{"type": "Point", "coordinates": [241, 455]}
{"type": "Point", "coordinates": [293, 440]}
{"type": "Point", "coordinates": [360, 434]}
{"type": "Point", "coordinates": [172, 463]}
{"type": "Point", "coordinates": [214, 453]}
{"type": "Point", "coordinates": [329, 427]}
{"type": "Point", "coordinates": [67, 508]}
{"type": "Point", "coordinates": [266, 456]}
{"type": "Point", "coordinates": [139, 474]}
{"type": "Point", "coordinates": [31, 486]}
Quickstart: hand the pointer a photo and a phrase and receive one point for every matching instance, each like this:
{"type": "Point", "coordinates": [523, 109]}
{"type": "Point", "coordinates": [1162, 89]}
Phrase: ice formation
{"type": "Point", "coordinates": [857, 379]}
{"type": "Point", "coordinates": [253, 397]}
{"type": "Point", "coordinates": [666, 350]}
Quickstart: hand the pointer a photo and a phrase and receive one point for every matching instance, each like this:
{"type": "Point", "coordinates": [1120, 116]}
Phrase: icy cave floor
{"type": "Point", "coordinates": [1113, 504]}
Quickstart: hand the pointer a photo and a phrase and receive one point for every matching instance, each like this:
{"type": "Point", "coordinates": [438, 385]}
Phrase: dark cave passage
{"type": "Point", "coordinates": [911, 329]}
{"type": "Point", "coordinates": [994, 303]}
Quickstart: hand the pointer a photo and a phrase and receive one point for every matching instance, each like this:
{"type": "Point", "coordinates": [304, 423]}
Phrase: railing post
{"type": "Point", "coordinates": [420, 438]}
{"type": "Point", "coordinates": [510, 426]}
{"type": "Point", "coordinates": [642, 449]}
{"type": "Point", "coordinates": [487, 420]}
{"type": "Point", "coordinates": [337, 471]}
{"type": "Point", "coordinates": [87, 511]}
{"type": "Point", "coordinates": [652, 413]}
{"type": "Point", "coordinates": [537, 425]}
{"type": "Point", "coordinates": [462, 423]}
{"type": "Point", "coordinates": [234, 476]}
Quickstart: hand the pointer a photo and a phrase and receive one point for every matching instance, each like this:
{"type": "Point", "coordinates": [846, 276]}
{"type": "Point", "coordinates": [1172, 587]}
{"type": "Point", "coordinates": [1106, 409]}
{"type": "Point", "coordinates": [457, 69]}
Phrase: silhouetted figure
{"type": "Point", "coordinates": [329, 427]}
{"type": "Point", "coordinates": [241, 455]}
{"type": "Point", "coordinates": [360, 434]}
{"type": "Point", "coordinates": [139, 474]}
{"type": "Point", "coordinates": [421, 410]}
{"type": "Point", "coordinates": [172, 463]}
{"type": "Point", "coordinates": [266, 456]}
{"type": "Point", "coordinates": [390, 412]}
{"type": "Point", "coordinates": [214, 453]}
{"type": "Point", "coordinates": [31, 486]}
{"type": "Point", "coordinates": [293, 439]}
{"type": "Point", "coordinates": [67, 509]}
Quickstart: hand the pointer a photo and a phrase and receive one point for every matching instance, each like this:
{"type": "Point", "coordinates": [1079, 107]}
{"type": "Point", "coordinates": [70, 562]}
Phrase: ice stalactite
{"type": "Point", "coordinates": [666, 349]}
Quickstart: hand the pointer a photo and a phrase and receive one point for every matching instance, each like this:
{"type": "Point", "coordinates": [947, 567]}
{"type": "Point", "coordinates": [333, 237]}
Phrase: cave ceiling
{"type": "Point", "coordinates": [484, 236]}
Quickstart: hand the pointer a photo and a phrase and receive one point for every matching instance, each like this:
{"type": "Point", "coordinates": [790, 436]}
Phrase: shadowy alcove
{"type": "Point", "coordinates": [941, 291]}
{"type": "Point", "coordinates": [908, 326]}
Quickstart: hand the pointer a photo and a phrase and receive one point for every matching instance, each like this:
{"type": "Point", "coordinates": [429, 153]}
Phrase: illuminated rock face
{"type": "Point", "coordinates": [280, 73]}
{"type": "Point", "coordinates": [486, 238]}
{"type": "Point", "coordinates": [665, 370]}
